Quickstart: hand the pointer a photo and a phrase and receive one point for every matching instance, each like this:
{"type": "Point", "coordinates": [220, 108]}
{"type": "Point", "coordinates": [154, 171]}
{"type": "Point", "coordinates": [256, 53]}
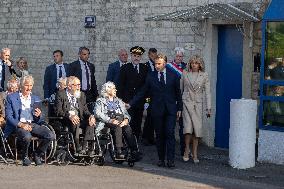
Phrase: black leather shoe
{"type": "Point", "coordinates": [38, 161]}
{"type": "Point", "coordinates": [26, 161]}
{"type": "Point", "coordinates": [161, 163]}
{"type": "Point", "coordinates": [171, 164]}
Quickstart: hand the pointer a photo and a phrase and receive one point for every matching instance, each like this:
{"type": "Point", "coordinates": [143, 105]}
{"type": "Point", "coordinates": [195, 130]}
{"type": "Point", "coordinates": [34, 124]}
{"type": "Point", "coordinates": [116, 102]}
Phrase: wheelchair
{"type": "Point", "coordinates": [6, 153]}
{"type": "Point", "coordinates": [66, 151]}
{"type": "Point", "coordinates": [105, 142]}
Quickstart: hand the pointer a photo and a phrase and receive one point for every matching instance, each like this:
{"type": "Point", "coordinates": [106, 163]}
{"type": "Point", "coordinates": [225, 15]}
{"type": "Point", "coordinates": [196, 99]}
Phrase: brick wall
{"type": "Point", "coordinates": [33, 29]}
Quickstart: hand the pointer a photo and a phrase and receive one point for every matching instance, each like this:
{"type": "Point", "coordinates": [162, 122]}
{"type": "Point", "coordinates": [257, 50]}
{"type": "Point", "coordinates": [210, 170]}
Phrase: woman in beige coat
{"type": "Point", "coordinates": [194, 84]}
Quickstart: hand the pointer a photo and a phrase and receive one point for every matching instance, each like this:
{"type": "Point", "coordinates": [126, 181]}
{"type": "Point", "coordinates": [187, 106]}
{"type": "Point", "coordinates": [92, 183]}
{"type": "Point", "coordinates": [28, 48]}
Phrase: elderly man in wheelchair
{"type": "Point", "coordinates": [71, 105]}
{"type": "Point", "coordinates": [111, 113]}
{"type": "Point", "coordinates": [24, 117]}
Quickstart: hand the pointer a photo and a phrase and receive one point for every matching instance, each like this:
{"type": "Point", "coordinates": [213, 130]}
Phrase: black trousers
{"type": "Point", "coordinates": [125, 131]}
{"type": "Point", "coordinates": [165, 135]}
{"type": "Point", "coordinates": [148, 129]}
{"type": "Point", "coordinates": [136, 120]}
{"type": "Point", "coordinates": [88, 131]}
{"type": "Point", "coordinates": [39, 131]}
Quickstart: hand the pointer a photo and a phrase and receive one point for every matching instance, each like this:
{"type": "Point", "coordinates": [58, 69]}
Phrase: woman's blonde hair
{"type": "Point", "coordinates": [25, 63]}
{"type": "Point", "coordinates": [199, 60]}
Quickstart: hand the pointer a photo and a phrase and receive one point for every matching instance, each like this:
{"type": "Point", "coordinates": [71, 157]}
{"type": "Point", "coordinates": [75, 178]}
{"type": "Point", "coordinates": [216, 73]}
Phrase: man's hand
{"type": "Point", "coordinates": [8, 62]}
{"type": "Point", "coordinates": [124, 123]}
{"type": "Point", "coordinates": [178, 114]}
{"type": "Point", "coordinates": [92, 121]}
{"type": "Point", "coordinates": [127, 106]}
{"type": "Point", "coordinates": [37, 112]}
{"type": "Point", "coordinates": [25, 126]}
{"type": "Point", "coordinates": [74, 119]}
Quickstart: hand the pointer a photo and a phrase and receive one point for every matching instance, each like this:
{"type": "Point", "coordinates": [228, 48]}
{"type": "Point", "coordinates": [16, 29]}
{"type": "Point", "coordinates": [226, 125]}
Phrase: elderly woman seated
{"type": "Point", "coordinates": [112, 113]}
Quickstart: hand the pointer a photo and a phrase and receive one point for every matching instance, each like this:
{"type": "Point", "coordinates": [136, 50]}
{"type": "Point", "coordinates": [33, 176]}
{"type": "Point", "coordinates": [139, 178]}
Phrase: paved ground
{"type": "Point", "coordinates": [212, 172]}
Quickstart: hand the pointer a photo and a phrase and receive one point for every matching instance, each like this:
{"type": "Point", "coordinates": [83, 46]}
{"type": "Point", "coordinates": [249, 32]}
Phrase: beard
{"type": "Point", "coordinates": [77, 94]}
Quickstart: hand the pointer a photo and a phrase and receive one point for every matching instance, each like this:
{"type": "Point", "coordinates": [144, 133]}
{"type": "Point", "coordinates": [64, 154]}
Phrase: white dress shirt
{"type": "Point", "coordinates": [62, 69]}
{"type": "Point", "coordinates": [165, 75]}
{"type": "Point", "coordinates": [137, 67]}
{"type": "Point", "coordinates": [152, 65]}
{"type": "Point", "coordinates": [84, 75]}
{"type": "Point", "coordinates": [26, 111]}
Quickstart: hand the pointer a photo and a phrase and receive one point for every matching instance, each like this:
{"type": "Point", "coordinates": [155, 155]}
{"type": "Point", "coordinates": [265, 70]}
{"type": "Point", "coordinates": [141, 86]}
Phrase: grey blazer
{"type": "Point", "coordinates": [100, 111]}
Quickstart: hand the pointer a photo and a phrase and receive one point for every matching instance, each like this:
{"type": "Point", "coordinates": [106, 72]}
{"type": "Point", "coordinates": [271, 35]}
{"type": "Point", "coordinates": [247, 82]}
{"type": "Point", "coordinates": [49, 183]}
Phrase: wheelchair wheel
{"type": "Point", "coordinates": [52, 147]}
{"type": "Point", "coordinates": [65, 148]}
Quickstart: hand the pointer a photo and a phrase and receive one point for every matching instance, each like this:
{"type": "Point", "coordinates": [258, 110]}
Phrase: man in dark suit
{"type": "Point", "coordinates": [85, 72]}
{"type": "Point", "coordinates": [53, 73]}
{"type": "Point", "coordinates": [132, 78]}
{"type": "Point", "coordinates": [164, 90]}
{"type": "Point", "coordinates": [114, 68]}
{"type": "Point", "coordinates": [148, 129]}
{"type": "Point", "coordinates": [71, 105]}
{"type": "Point", "coordinates": [23, 115]}
{"type": "Point", "coordinates": [6, 67]}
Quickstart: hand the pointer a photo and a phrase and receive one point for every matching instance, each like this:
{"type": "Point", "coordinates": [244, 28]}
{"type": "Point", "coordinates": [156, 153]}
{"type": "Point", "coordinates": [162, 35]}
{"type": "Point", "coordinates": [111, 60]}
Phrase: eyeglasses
{"type": "Point", "coordinates": [77, 85]}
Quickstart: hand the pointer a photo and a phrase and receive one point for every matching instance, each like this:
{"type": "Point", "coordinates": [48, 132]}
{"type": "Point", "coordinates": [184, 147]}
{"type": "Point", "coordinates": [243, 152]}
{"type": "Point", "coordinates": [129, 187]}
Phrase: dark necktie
{"type": "Point", "coordinates": [60, 72]}
{"type": "Point", "coordinates": [87, 76]}
{"type": "Point", "coordinates": [136, 68]}
{"type": "Point", "coordinates": [3, 75]}
{"type": "Point", "coordinates": [162, 78]}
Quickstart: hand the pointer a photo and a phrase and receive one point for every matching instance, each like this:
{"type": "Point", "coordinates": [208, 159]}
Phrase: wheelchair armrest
{"type": "Point", "coordinates": [55, 118]}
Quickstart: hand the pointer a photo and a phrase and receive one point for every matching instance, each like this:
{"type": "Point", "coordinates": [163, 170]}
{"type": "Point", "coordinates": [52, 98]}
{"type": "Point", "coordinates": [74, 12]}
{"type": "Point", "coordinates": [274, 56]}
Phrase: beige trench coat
{"type": "Point", "coordinates": [192, 98]}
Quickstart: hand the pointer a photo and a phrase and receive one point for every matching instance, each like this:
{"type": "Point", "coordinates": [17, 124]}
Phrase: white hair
{"type": "Point", "coordinates": [25, 79]}
{"type": "Point", "coordinates": [5, 50]}
{"type": "Point", "coordinates": [106, 87]}
{"type": "Point", "coordinates": [62, 80]}
{"type": "Point", "coordinates": [179, 50]}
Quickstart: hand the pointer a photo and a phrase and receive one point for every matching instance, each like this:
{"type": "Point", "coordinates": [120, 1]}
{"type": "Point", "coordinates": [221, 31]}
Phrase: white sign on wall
{"type": "Point", "coordinates": [190, 46]}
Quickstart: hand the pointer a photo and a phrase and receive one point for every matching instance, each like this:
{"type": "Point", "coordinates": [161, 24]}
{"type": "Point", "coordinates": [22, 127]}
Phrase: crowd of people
{"type": "Point", "coordinates": [170, 91]}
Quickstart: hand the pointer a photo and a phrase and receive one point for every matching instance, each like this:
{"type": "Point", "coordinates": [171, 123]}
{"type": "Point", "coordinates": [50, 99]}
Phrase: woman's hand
{"type": "Point", "coordinates": [178, 114]}
{"type": "Point", "coordinates": [92, 121]}
{"type": "Point", "coordinates": [114, 121]}
{"type": "Point", "coordinates": [125, 122]}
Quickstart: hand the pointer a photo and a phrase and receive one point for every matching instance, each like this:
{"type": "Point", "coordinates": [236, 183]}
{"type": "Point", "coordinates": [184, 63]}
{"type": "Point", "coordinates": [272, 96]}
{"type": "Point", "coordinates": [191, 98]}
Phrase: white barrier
{"type": "Point", "coordinates": [242, 134]}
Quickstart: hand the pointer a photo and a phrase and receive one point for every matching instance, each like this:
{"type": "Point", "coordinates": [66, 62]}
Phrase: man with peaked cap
{"type": "Point", "coordinates": [132, 77]}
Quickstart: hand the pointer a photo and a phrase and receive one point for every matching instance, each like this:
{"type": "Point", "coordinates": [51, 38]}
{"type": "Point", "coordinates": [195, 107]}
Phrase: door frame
{"type": "Point", "coordinates": [209, 53]}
